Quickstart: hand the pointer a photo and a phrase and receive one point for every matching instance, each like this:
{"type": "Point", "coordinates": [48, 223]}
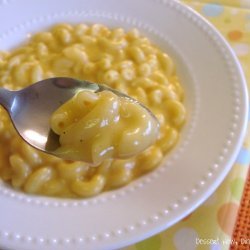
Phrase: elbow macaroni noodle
{"type": "Point", "coordinates": [94, 127]}
{"type": "Point", "coordinates": [126, 61]}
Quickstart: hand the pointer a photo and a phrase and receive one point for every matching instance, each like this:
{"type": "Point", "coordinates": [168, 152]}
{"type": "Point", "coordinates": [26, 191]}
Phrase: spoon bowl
{"type": "Point", "coordinates": [30, 109]}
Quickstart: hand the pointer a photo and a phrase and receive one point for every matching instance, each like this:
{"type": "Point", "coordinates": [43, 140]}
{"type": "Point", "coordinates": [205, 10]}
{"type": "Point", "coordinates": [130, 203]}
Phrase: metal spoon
{"type": "Point", "coordinates": [30, 108]}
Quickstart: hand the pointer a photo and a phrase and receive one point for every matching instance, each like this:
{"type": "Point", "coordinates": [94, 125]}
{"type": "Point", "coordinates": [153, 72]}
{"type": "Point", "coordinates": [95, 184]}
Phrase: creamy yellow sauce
{"type": "Point", "coordinates": [94, 127]}
{"type": "Point", "coordinates": [123, 60]}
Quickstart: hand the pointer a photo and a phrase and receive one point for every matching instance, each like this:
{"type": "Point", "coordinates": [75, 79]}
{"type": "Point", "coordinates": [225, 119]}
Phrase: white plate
{"type": "Point", "coordinates": [216, 98]}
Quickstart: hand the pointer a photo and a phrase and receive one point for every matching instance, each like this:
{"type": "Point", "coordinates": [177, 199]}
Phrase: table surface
{"type": "Point", "coordinates": [211, 226]}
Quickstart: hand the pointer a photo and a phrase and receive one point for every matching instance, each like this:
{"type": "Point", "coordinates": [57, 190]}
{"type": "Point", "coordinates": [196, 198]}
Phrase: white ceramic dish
{"type": "Point", "coordinates": [216, 98]}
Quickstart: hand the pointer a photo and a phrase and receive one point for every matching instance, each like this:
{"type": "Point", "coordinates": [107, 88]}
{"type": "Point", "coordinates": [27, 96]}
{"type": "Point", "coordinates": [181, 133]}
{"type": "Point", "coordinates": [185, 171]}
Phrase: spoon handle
{"type": "Point", "coordinates": [6, 98]}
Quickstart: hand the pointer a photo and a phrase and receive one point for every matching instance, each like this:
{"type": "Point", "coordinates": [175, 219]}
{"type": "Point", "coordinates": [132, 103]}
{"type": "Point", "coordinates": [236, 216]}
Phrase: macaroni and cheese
{"type": "Point", "coordinates": [94, 127]}
{"type": "Point", "coordinates": [126, 61]}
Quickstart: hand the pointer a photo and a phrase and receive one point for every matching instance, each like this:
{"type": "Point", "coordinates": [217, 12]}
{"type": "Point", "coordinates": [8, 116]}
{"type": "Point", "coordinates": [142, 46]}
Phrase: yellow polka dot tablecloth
{"type": "Point", "coordinates": [211, 225]}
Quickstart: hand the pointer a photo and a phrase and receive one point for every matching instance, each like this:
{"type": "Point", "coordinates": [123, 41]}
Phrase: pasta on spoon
{"type": "Point", "coordinates": [94, 127]}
